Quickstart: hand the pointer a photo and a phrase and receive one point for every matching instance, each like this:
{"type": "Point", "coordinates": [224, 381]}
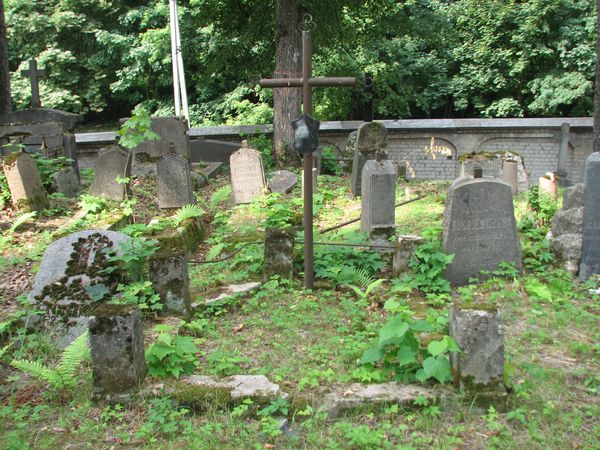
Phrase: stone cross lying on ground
{"type": "Point", "coordinates": [306, 83]}
{"type": "Point", "coordinates": [34, 74]}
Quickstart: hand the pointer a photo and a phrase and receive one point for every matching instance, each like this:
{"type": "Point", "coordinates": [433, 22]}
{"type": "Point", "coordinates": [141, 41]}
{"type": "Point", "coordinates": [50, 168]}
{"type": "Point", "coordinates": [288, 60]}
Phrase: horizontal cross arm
{"type": "Point", "coordinates": [38, 73]}
{"type": "Point", "coordinates": [280, 82]}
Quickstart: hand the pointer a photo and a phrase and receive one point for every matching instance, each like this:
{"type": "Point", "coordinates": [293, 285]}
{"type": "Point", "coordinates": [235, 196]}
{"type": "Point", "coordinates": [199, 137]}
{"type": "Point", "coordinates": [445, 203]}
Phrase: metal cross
{"type": "Point", "coordinates": [306, 83]}
{"type": "Point", "coordinates": [33, 74]}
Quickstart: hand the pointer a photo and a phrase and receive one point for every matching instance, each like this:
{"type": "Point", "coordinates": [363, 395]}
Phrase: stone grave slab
{"type": "Point", "coordinates": [370, 138]}
{"type": "Point", "coordinates": [174, 182]}
{"type": "Point", "coordinates": [66, 182]}
{"type": "Point", "coordinates": [378, 212]}
{"type": "Point", "coordinates": [70, 282]}
{"type": "Point", "coordinates": [282, 181]}
{"type": "Point", "coordinates": [113, 162]}
{"type": "Point", "coordinates": [590, 251]}
{"type": "Point", "coordinates": [24, 182]}
{"type": "Point", "coordinates": [247, 174]}
{"type": "Point", "coordinates": [41, 115]}
{"type": "Point", "coordinates": [172, 130]}
{"type": "Point", "coordinates": [479, 228]}
{"type": "Point", "coordinates": [212, 150]}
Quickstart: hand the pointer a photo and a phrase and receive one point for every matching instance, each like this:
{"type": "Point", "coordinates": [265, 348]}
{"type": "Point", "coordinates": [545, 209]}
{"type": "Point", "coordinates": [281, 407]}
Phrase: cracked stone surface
{"type": "Point", "coordinates": [240, 386]}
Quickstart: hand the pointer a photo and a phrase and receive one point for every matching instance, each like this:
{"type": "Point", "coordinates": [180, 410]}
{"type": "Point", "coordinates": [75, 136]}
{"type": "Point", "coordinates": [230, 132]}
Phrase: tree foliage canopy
{"type": "Point", "coordinates": [429, 58]}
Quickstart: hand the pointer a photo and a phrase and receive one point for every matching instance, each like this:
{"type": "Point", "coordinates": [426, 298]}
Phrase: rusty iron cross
{"type": "Point", "coordinates": [307, 82]}
{"type": "Point", "coordinates": [34, 74]}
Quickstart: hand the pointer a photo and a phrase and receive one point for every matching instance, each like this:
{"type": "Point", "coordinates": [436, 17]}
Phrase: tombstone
{"type": "Point", "coordinates": [405, 248]}
{"type": "Point", "coordinates": [112, 162]}
{"type": "Point", "coordinates": [65, 182]}
{"type": "Point", "coordinates": [548, 185]}
{"type": "Point", "coordinates": [170, 280]}
{"type": "Point", "coordinates": [172, 130]}
{"type": "Point", "coordinates": [477, 329]}
{"type": "Point", "coordinates": [370, 138]}
{"type": "Point", "coordinates": [567, 229]}
{"type": "Point", "coordinates": [279, 253]}
{"type": "Point", "coordinates": [282, 181]}
{"type": "Point", "coordinates": [247, 174]}
{"type": "Point", "coordinates": [174, 182]}
{"type": "Point", "coordinates": [24, 183]}
{"type": "Point", "coordinates": [117, 350]}
{"type": "Point", "coordinates": [212, 150]}
{"type": "Point", "coordinates": [72, 281]}
{"type": "Point", "coordinates": [479, 228]}
{"type": "Point", "coordinates": [590, 257]}
{"type": "Point", "coordinates": [510, 175]}
{"type": "Point", "coordinates": [378, 212]}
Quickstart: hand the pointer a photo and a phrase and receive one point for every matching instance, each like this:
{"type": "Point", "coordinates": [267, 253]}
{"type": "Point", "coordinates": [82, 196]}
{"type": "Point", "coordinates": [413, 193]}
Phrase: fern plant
{"type": "Point", "coordinates": [187, 212]}
{"type": "Point", "coordinates": [20, 220]}
{"type": "Point", "coordinates": [63, 376]}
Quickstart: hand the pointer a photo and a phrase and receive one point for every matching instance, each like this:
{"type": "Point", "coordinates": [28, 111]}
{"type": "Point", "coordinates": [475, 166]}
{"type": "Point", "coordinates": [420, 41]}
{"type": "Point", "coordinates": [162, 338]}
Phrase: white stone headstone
{"type": "Point", "coordinates": [247, 174]}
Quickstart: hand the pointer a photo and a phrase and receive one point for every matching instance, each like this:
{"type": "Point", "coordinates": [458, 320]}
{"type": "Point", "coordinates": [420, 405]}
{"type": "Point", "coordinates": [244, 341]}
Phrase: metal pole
{"type": "Point", "coordinates": [174, 62]}
{"type": "Point", "coordinates": [308, 164]}
{"type": "Point", "coordinates": [183, 88]}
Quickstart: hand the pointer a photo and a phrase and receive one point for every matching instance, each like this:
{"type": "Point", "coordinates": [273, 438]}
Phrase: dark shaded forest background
{"type": "Point", "coordinates": [429, 58]}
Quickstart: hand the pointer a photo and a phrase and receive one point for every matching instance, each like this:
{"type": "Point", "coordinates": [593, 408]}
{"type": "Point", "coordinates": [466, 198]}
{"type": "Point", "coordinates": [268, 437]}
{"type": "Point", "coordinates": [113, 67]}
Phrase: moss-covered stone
{"type": "Point", "coordinates": [200, 398]}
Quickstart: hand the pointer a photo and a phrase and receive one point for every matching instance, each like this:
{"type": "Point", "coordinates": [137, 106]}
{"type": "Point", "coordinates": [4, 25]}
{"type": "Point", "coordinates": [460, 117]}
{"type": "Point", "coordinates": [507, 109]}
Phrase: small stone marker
{"type": "Point", "coordinates": [282, 181]}
{"type": "Point", "coordinates": [405, 247]}
{"type": "Point", "coordinates": [279, 253]}
{"type": "Point", "coordinates": [378, 212]}
{"type": "Point", "coordinates": [479, 228]}
{"type": "Point", "coordinates": [24, 183]}
{"type": "Point", "coordinates": [510, 175]}
{"type": "Point", "coordinates": [370, 138]}
{"type": "Point", "coordinates": [71, 280]}
{"type": "Point", "coordinates": [65, 182]}
{"type": "Point", "coordinates": [477, 329]}
{"type": "Point", "coordinates": [117, 348]}
{"type": "Point", "coordinates": [172, 131]}
{"type": "Point", "coordinates": [590, 257]}
{"type": "Point", "coordinates": [170, 280]}
{"type": "Point", "coordinates": [247, 174]}
{"type": "Point", "coordinates": [113, 162]}
{"type": "Point", "coordinates": [174, 182]}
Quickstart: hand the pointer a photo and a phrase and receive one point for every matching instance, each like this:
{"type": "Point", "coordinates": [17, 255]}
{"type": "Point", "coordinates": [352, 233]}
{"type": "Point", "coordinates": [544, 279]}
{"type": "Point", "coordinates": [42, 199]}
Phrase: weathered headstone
{"type": "Point", "coordinates": [405, 248]}
{"type": "Point", "coordinates": [212, 150]}
{"type": "Point", "coordinates": [479, 367]}
{"type": "Point", "coordinates": [112, 162]}
{"type": "Point", "coordinates": [170, 280]}
{"type": "Point", "coordinates": [247, 174]}
{"type": "Point", "coordinates": [174, 182]}
{"type": "Point", "coordinates": [172, 131]}
{"type": "Point", "coordinates": [279, 253]}
{"type": "Point", "coordinates": [567, 229]}
{"type": "Point", "coordinates": [479, 228]}
{"type": "Point", "coordinates": [378, 212]}
{"type": "Point", "coordinates": [510, 175]}
{"type": "Point", "coordinates": [24, 183]}
{"type": "Point", "coordinates": [71, 280]}
{"type": "Point", "coordinates": [371, 138]}
{"type": "Point", "coordinates": [590, 252]}
{"type": "Point", "coordinates": [117, 349]}
{"type": "Point", "coordinates": [282, 181]}
{"type": "Point", "coordinates": [66, 182]}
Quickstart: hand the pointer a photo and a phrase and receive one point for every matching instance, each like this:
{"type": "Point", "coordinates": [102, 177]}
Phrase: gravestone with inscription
{"type": "Point", "coordinates": [479, 228]}
{"type": "Point", "coordinates": [72, 280]}
{"type": "Point", "coordinates": [370, 138]}
{"type": "Point", "coordinates": [247, 174]}
{"type": "Point", "coordinates": [590, 250]}
{"type": "Point", "coordinates": [174, 181]}
{"type": "Point", "coordinates": [113, 163]}
{"type": "Point", "coordinates": [27, 192]}
{"type": "Point", "coordinates": [172, 131]}
{"type": "Point", "coordinates": [377, 216]}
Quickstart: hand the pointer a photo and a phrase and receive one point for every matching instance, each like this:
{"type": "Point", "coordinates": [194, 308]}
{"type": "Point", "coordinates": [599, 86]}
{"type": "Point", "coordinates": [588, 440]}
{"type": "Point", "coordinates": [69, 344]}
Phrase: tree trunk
{"type": "Point", "coordinates": [596, 146]}
{"type": "Point", "coordinates": [288, 64]}
{"type": "Point", "coordinates": [5, 105]}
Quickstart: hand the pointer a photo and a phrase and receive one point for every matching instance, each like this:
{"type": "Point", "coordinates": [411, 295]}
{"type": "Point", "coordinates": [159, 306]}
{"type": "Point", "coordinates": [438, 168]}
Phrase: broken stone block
{"type": "Point", "coordinates": [279, 253]}
{"type": "Point", "coordinates": [477, 329]}
{"type": "Point", "coordinates": [170, 280]}
{"type": "Point", "coordinates": [405, 247]}
{"type": "Point", "coordinates": [231, 290]}
{"type": "Point", "coordinates": [360, 395]}
{"type": "Point", "coordinates": [117, 348]}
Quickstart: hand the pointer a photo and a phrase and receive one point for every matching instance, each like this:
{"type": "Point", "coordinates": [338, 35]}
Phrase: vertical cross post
{"type": "Point", "coordinates": [306, 83]}
{"type": "Point", "coordinates": [34, 74]}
